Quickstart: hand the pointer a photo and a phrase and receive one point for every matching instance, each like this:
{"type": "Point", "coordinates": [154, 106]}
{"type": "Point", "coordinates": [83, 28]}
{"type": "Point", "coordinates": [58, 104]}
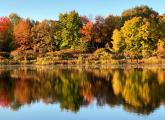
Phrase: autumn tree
{"type": "Point", "coordinates": [67, 31]}
{"type": "Point", "coordinates": [98, 31]}
{"type": "Point", "coordinates": [91, 33]}
{"type": "Point", "coordinates": [42, 36]}
{"type": "Point", "coordinates": [141, 35]}
{"type": "Point", "coordinates": [161, 42]}
{"type": "Point", "coordinates": [5, 34]}
{"type": "Point", "coordinates": [22, 34]}
{"type": "Point", "coordinates": [14, 18]}
{"type": "Point", "coordinates": [87, 35]}
{"type": "Point", "coordinates": [118, 41]}
{"type": "Point", "coordinates": [103, 29]}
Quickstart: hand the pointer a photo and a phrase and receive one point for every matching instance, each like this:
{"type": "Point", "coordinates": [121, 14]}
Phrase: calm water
{"type": "Point", "coordinates": [74, 93]}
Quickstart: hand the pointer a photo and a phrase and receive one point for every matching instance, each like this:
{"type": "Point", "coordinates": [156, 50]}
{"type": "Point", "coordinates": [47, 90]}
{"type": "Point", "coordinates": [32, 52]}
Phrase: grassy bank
{"type": "Point", "coordinates": [75, 57]}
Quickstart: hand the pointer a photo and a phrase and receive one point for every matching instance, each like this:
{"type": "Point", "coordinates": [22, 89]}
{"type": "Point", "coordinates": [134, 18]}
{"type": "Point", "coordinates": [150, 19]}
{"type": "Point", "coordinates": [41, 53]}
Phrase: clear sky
{"type": "Point", "coordinates": [50, 9]}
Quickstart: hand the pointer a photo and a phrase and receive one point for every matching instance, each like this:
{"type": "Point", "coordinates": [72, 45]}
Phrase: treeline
{"type": "Point", "coordinates": [138, 32]}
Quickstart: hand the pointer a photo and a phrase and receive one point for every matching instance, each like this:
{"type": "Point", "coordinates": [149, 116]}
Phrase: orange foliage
{"type": "Point", "coordinates": [87, 31]}
{"type": "Point", "coordinates": [22, 34]}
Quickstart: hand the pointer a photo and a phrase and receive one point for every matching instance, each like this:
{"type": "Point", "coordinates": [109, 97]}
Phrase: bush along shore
{"type": "Point", "coordinates": [137, 36]}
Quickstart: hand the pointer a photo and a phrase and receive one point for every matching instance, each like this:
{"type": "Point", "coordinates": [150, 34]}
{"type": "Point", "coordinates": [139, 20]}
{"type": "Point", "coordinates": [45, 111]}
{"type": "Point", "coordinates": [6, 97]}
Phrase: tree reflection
{"type": "Point", "coordinates": [137, 90]}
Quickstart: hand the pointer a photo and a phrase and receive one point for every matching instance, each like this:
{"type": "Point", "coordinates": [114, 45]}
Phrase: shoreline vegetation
{"type": "Point", "coordinates": [99, 57]}
{"type": "Point", "coordinates": [136, 37]}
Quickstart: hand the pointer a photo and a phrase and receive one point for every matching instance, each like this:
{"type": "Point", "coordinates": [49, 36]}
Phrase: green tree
{"type": "Point", "coordinates": [67, 32]}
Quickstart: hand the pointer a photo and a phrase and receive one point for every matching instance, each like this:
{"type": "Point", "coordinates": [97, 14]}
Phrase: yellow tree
{"type": "Point", "coordinates": [118, 42]}
{"type": "Point", "coordinates": [141, 36]}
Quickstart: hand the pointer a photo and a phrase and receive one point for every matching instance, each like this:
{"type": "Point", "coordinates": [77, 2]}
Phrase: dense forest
{"type": "Point", "coordinates": [138, 33]}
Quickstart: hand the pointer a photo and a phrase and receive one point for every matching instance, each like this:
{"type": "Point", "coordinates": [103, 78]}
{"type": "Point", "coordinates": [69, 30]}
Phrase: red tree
{"type": "Point", "coordinates": [4, 24]}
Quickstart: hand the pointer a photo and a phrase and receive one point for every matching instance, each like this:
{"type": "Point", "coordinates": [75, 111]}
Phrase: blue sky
{"type": "Point", "coordinates": [50, 9]}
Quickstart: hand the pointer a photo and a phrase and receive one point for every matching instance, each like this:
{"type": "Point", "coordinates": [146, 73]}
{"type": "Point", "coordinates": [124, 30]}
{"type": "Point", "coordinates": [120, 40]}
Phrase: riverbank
{"type": "Point", "coordinates": [75, 57]}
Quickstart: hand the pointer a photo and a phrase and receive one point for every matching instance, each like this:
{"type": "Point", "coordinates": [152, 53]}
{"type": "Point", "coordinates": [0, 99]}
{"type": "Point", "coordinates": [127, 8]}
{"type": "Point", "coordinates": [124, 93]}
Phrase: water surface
{"type": "Point", "coordinates": [79, 93]}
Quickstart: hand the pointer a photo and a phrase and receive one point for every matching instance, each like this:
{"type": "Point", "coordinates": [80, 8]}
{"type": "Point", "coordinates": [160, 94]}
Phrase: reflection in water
{"type": "Point", "coordinates": [137, 90]}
